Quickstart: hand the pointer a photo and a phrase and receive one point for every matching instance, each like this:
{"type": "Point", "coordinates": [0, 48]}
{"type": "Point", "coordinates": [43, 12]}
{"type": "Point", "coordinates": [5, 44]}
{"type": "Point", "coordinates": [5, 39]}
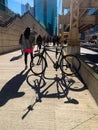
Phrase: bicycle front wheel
{"type": "Point", "coordinates": [38, 65]}
{"type": "Point", "coordinates": [70, 64]}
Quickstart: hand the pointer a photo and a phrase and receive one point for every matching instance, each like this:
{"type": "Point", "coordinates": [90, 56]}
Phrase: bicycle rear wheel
{"type": "Point", "coordinates": [38, 65]}
{"type": "Point", "coordinates": [70, 64]}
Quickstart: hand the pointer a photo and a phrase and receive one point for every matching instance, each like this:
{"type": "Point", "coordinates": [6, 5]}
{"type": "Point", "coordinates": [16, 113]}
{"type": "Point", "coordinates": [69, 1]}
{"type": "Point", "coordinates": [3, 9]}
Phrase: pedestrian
{"type": "Point", "coordinates": [65, 39]}
{"type": "Point", "coordinates": [39, 41]}
{"type": "Point", "coordinates": [20, 43]}
{"type": "Point", "coordinates": [54, 40]}
{"type": "Point", "coordinates": [28, 45]}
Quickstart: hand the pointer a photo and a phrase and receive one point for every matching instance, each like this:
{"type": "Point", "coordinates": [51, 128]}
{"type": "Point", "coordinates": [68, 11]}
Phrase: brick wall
{"type": "Point", "coordinates": [9, 34]}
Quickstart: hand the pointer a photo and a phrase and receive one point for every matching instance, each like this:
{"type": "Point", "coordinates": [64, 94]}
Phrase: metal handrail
{"type": "Point", "coordinates": [6, 9]}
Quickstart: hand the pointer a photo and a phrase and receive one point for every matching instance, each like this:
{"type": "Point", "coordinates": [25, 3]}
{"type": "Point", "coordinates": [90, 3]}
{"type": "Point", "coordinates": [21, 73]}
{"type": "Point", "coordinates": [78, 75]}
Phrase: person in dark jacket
{"type": "Point", "coordinates": [27, 44]}
{"type": "Point", "coordinates": [20, 43]}
{"type": "Point", "coordinates": [39, 41]}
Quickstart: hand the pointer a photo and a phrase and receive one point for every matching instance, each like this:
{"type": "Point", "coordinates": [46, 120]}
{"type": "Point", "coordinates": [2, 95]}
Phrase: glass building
{"type": "Point", "coordinates": [3, 5]}
{"type": "Point", "coordinates": [93, 11]}
{"type": "Point", "coordinates": [46, 13]}
{"type": "Point", "coordinates": [27, 7]}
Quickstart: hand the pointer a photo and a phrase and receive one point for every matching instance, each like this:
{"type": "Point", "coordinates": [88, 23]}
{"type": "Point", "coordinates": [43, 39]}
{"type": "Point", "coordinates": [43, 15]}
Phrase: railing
{"type": "Point", "coordinates": [9, 20]}
{"type": "Point", "coordinates": [6, 10]}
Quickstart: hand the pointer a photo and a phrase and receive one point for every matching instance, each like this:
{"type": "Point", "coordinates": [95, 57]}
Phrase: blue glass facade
{"type": "Point", "coordinates": [39, 10]}
{"type": "Point", "coordinates": [93, 11]}
{"type": "Point", "coordinates": [3, 4]}
{"type": "Point", "coordinates": [52, 15]}
{"type": "Point", "coordinates": [26, 7]}
{"type": "Point", "coordinates": [46, 13]}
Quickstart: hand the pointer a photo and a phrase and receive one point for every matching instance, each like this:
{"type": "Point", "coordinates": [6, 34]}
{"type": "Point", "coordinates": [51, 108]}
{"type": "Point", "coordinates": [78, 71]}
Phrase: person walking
{"type": "Point", "coordinates": [20, 43]}
{"type": "Point", "coordinates": [54, 40]}
{"type": "Point", "coordinates": [28, 45]}
{"type": "Point", "coordinates": [39, 41]}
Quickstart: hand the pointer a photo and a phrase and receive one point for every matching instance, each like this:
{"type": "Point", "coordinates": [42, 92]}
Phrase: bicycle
{"type": "Point", "coordinates": [68, 64]}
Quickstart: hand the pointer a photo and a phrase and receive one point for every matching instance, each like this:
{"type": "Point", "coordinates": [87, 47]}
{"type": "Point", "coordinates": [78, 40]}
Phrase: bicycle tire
{"type": "Point", "coordinates": [38, 65]}
{"type": "Point", "coordinates": [70, 64]}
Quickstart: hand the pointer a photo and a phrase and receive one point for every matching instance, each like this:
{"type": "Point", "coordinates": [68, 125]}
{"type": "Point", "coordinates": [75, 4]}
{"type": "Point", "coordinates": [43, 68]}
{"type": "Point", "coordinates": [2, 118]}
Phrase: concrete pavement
{"type": "Point", "coordinates": [63, 107]}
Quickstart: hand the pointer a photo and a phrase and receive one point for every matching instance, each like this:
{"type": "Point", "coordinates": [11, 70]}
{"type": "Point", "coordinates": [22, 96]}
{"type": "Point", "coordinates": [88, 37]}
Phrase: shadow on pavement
{"type": "Point", "coordinates": [42, 89]}
{"type": "Point", "coordinates": [91, 60]}
{"type": "Point", "coordinates": [73, 101]}
{"type": "Point", "coordinates": [16, 57]}
{"type": "Point", "coordinates": [10, 89]}
{"type": "Point", "coordinates": [92, 47]}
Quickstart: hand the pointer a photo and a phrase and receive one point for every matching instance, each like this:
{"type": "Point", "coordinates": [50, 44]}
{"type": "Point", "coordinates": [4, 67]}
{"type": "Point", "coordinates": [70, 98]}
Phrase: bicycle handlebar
{"type": "Point", "coordinates": [54, 47]}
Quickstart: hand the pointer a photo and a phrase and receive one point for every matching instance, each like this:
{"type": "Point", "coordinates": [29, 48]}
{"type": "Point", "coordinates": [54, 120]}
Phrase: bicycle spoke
{"type": "Point", "coordinates": [39, 65]}
{"type": "Point", "coordinates": [68, 64]}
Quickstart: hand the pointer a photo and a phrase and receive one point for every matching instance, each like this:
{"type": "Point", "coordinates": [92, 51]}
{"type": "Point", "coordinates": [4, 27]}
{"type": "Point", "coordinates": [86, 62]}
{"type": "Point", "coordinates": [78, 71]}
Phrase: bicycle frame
{"type": "Point", "coordinates": [57, 63]}
{"type": "Point", "coordinates": [63, 61]}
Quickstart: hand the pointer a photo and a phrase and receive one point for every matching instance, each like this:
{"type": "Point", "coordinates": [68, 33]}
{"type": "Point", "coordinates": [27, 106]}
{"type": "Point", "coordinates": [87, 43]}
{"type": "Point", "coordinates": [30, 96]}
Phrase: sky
{"type": "Point", "coordinates": [15, 6]}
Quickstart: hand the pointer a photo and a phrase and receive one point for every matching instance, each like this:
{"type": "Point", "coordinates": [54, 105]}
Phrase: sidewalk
{"type": "Point", "coordinates": [69, 107]}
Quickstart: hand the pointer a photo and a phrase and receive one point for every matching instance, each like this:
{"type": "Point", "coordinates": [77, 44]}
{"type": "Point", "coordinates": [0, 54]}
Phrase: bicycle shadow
{"type": "Point", "coordinates": [39, 85]}
{"type": "Point", "coordinates": [41, 88]}
{"type": "Point", "coordinates": [10, 89]}
{"type": "Point", "coordinates": [63, 86]}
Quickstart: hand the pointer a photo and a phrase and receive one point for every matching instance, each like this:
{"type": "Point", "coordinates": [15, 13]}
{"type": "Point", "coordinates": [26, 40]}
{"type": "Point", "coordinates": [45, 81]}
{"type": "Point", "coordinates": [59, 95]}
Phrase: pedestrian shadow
{"type": "Point", "coordinates": [10, 89]}
{"type": "Point", "coordinates": [16, 57]}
